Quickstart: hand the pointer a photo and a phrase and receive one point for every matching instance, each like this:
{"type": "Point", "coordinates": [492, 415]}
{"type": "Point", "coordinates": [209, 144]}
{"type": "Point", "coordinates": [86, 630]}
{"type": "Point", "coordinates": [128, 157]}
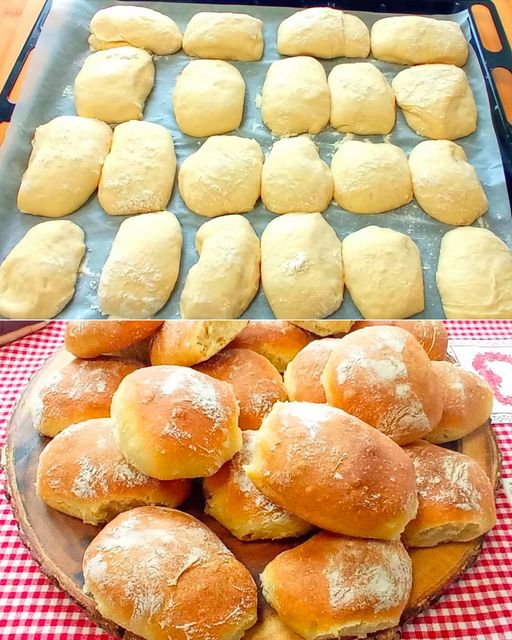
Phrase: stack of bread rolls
{"type": "Point", "coordinates": [343, 449]}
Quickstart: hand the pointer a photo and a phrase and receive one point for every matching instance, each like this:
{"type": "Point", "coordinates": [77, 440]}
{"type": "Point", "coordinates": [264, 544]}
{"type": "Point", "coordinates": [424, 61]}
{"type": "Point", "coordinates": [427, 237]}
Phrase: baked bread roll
{"type": "Point", "coordinates": [302, 378]}
{"type": "Point", "coordinates": [81, 390]}
{"type": "Point", "coordinates": [333, 586]}
{"type": "Point", "coordinates": [162, 574]}
{"type": "Point", "coordinates": [388, 365]}
{"type": "Point", "coordinates": [92, 338]}
{"type": "Point", "coordinates": [324, 327]}
{"type": "Point", "coordinates": [82, 473]}
{"type": "Point", "coordinates": [257, 384]}
{"type": "Point", "coordinates": [319, 463]}
{"type": "Point", "coordinates": [187, 342]}
{"type": "Point", "coordinates": [174, 422]}
{"type": "Point", "coordinates": [455, 497]}
{"type": "Point", "coordinates": [467, 402]}
{"type": "Point", "coordinates": [233, 500]}
{"type": "Point", "coordinates": [323, 32]}
{"type": "Point", "coordinates": [418, 40]}
{"type": "Point", "coordinates": [276, 340]}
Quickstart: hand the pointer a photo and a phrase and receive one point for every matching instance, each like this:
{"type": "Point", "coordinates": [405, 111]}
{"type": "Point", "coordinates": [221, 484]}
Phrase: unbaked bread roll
{"type": "Point", "coordinates": [323, 32]}
{"type": "Point", "coordinates": [142, 267]}
{"type": "Point", "coordinates": [92, 338]}
{"type": "Point", "coordinates": [276, 340]}
{"type": "Point", "coordinates": [388, 365]}
{"type": "Point", "coordinates": [295, 96]}
{"type": "Point", "coordinates": [222, 176]}
{"type": "Point", "coordinates": [224, 36]}
{"type": "Point", "coordinates": [224, 281]}
{"type": "Point", "coordinates": [418, 40]}
{"type": "Point", "coordinates": [362, 100]}
{"type": "Point", "coordinates": [118, 26]}
{"type": "Point", "coordinates": [302, 378]}
{"type": "Point", "coordinates": [301, 268]}
{"type": "Point", "coordinates": [316, 462]}
{"type": "Point", "coordinates": [467, 402]}
{"type": "Point", "coordinates": [138, 174]}
{"type": "Point", "coordinates": [257, 384]}
{"type": "Point", "coordinates": [64, 167]}
{"type": "Point", "coordinates": [383, 273]}
{"type": "Point", "coordinates": [173, 422]}
{"type": "Point", "coordinates": [324, 327]}
{"type": "Point", "coordinates": [162, 574]}
{"type": "Point", "coordinates": [474, 274]}
{"type": "Point", "coordinates": [113, 85]}
{"type": "Point", "coordinates": [436, 100]}
{"type": "Point", "coordinates": [187, 342]}
{"type": "Point", "coordinates": [82, 473]}
{"type": "Point", "coordinates": [445, 185]}
{"type": "Point", "coordinates": [81, 390]}
{"type": "Point", "coordinates": [295, 178]}
{"type": "Point", "coordinates": [333, 586]}
{"type": "Point", "coordinates": [233, 500]}
{"type": "Point", "coordinates": [370, 178]}
{"type": "Point", "coordinates": [208, 98]}
{"type": "Point", "coordinates": [38, 276]}
{"type": "Point", "coordinates": [455, 497]}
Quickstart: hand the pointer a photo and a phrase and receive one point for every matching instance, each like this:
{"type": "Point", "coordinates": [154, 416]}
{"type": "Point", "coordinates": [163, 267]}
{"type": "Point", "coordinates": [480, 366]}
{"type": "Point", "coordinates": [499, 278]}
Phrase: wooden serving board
{"type": "Point", "coordinates": [58, 542]}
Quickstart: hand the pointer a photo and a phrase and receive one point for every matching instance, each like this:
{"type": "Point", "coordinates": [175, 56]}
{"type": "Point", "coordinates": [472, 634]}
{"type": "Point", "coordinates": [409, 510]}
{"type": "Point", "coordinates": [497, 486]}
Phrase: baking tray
{"type": "Point", "coordinates": [491, 154]}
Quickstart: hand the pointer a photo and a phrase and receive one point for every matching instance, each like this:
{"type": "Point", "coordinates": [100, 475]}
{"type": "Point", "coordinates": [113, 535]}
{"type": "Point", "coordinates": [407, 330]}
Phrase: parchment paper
{"type": "Point", "coordinates": [48, 92]}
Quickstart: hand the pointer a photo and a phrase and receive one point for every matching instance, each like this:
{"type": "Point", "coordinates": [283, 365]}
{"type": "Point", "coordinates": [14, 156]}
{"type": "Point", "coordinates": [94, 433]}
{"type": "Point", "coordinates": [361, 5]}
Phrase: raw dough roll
{"type": "Point", "coordinates": [82, 473]}
{"type": "Point", "coordinates": [324, 327]}
{"type": "Point", "coordinates": [208, 98]}
{"type": "Point", "coordinates": [370, 178]}
{"type": "Point", "coordinates": [474, 275]}
{"type": "Point", "coordinates": [64, 167]}
{"type": "Point", "coordinates": [138, 173]}
{"type": "Point", "coordinates": [81, 390]}
{"type": "Point", "coordinates": [226, 277]}
{"type": "Point", "coordinates": [222, 176]}
{"type": "Point", "coordinates": [418, 40]}
{"type": "Point", "coordinates": [362, 100]}
{"type": "Point", "coordinates": [436, 100]}
{"type": "Point", "coordinates": [38, 276]}
{"type": "Point", "coordinates": [333, 586]}
{"type": "Point", "coordinates": [383, 273]}
{"type": "Point", "coordinates": [113, 85]}
{"type": "Point", "coordinates": [224, 36]}
{"type": "Point", "coordinates": [173, 422]}
{"type": "Point", "coordinates": [445, 185]}
{"type": "Point", "coordinates": [162, 574]}
{"type": "Point", "coordinates": [315, 461]}
{"type": "Point", "coordinates": [302, 378]}
{"type": "Point", "coordinates": [142, 267]}
{"type": "Point", "coordinates": [92, 338]}
{"type": "Point", "coordinates": [301, 267]}
{"type": "Point", "coordinates": [295, 97]}
{"type": "Point", "coordinates": [137, 26]}
{"type": "Point", "coordinates": [295, 178]}
{"type": "Point", "coordinates": [323, 32]}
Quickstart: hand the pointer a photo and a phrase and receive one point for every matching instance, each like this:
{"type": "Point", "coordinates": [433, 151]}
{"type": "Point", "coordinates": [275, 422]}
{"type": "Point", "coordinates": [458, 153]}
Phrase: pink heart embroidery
{"type": "Point", "coordinates": [481, 364]}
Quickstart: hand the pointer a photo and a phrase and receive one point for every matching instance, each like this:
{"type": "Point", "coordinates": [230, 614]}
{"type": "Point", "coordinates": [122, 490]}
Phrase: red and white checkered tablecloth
{"type": "Point", "coordinates": [479, 606]}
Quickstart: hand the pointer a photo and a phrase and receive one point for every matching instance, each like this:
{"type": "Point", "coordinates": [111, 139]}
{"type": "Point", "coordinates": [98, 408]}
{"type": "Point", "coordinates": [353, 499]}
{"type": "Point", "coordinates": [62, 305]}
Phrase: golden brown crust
{"type": "Point", "coordinates": [162, 574]}
{"type": "Point", "coordinates": [256, 382]}
{"type": "Point", "coordinates": [455, 497]}
{"type": "Point", "coordinates": [324, 327]}
{"type": "Point", "coordinates": [302, 377]}
{"type": "Point", "coordinates": [467, 402]}
{"type": "Point", "coordinates": [277, 340]}
{"type": "Point", "coordinates": [320, 463]}
{"type": "Point", "coordinates": [81, 472]}
{"type": "Point", "coordinates": [187, 342]}
{"type": "Point", "coordinates": [332, 586]}
{"type": "Point", "coordinates": [388, 365]}
{"type": "Point", "coordinates": [92, 338]}
{"type": "Point", "coordinates": [174, 422]}
{"type": "Point", "coordinates": [81, 390]}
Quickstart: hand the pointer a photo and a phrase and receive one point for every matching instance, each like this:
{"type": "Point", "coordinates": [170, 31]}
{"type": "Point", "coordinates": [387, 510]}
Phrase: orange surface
{"type": "Point", "coordinates": [18, 16]}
